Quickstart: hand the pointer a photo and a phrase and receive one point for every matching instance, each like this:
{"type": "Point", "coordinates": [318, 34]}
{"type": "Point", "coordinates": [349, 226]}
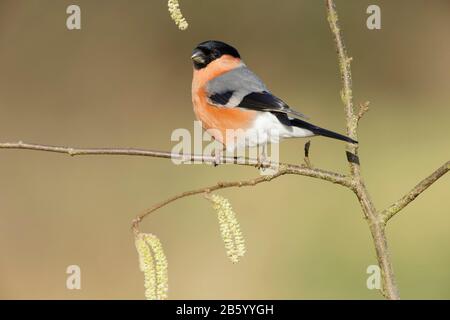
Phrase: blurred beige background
{"type": "Point", "coordinates": [124, 80]}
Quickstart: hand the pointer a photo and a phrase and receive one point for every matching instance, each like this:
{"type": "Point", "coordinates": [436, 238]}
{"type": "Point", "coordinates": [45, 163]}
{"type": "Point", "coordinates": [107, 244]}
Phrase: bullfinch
{"type": "Point", "coordinates": [235, 106]}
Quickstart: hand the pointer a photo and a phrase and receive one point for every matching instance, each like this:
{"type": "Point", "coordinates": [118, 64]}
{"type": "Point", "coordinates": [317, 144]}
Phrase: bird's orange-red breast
{"type": "Point", "coordinates": [211, 116]}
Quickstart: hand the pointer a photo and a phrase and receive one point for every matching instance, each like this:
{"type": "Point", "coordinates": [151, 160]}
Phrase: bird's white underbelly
{"type": "Point", "coordinates": [266, 129]}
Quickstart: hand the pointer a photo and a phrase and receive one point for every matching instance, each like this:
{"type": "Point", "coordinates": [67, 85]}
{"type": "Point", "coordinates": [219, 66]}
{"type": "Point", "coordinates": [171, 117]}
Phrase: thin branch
{"type": "Point", "coordinates": [396, 207]}
{"type": "Point", "coordinates": [291, 168]}
{"type": "Point", "coordinates": [218, 186]}
{"type": "Point", "coordinates": [345, 70]}
{"type": "Point", "coordinates": [376, 226]}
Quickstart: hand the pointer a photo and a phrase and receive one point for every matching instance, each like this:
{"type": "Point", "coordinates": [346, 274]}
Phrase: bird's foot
{"type": "Point", "coordinates": [261, 162]}
{"type": "Point", "coordinates": [217, 154]}
{"type": "Point", "coordinates": [262, 158]}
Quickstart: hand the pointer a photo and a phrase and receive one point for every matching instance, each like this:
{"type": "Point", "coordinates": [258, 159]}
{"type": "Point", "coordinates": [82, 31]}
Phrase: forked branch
{"type": "Point", "coordinates": [215, 187]}
{"type": "Point", "coordinates": [207, 159]}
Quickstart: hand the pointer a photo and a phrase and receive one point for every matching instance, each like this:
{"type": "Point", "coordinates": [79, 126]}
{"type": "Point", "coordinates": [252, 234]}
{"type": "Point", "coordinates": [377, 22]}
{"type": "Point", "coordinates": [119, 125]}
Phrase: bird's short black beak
{"type": "Point", "coordinates": [198, 56]}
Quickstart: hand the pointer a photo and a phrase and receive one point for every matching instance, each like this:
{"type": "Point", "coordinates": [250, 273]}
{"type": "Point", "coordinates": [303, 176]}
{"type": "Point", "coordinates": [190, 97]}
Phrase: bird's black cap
{"type": "Point", "coordinates": [210, 50]}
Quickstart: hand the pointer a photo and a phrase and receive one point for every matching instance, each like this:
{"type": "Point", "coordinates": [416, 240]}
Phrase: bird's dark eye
{"type": "Point", "coordinates": [215, 54]}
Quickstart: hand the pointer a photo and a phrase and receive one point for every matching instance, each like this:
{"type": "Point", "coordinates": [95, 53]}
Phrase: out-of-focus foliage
{"type": "Point", "coordinates": [124, 80]}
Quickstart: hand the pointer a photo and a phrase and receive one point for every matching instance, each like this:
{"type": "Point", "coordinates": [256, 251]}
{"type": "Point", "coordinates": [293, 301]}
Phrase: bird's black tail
{"type": "Point", "coordinates": [320, 131]}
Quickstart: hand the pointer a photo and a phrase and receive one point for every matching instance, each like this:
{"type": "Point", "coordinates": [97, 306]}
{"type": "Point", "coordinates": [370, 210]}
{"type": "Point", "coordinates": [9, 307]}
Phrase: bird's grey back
{"type": "Point", "coordinates": [240, 81]}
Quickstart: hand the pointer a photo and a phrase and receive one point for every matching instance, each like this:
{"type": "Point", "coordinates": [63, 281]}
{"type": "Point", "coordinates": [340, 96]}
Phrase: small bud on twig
{"type": "Point", "coordinates": [363, 108]}
{"type": "Point", "coordinates": [306, 158]}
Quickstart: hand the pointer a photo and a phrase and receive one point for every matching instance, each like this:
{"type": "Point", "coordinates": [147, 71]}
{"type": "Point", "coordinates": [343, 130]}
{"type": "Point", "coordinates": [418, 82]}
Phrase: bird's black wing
{"type": "Point", "coordinates": [221, 99]}
{"type": "Point", "coordinates": [241, 88]}
{"type": "Point", "coordinates": [265, 101]}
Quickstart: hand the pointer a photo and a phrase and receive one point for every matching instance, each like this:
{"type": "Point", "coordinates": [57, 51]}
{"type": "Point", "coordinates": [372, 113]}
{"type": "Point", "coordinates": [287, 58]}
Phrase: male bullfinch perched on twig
{"type": "Point", "coordinates": [233, 104]}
